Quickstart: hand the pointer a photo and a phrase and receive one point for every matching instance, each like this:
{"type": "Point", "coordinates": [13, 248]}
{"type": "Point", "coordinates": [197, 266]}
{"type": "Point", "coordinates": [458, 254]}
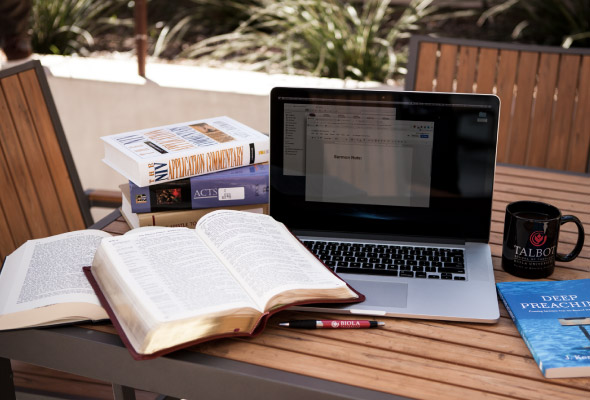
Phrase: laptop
{"type": "Point", "coordinates": [393, 192]}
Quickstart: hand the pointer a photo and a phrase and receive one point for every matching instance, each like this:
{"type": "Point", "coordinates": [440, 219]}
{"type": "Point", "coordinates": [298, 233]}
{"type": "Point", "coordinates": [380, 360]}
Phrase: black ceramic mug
{"type": "Point", "coordinates": [531, 233]}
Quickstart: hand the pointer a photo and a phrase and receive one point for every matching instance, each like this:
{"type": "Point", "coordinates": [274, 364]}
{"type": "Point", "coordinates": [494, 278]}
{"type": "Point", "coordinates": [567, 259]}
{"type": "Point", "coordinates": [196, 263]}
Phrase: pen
{"type": "Point", "coordinates": [334, 324]}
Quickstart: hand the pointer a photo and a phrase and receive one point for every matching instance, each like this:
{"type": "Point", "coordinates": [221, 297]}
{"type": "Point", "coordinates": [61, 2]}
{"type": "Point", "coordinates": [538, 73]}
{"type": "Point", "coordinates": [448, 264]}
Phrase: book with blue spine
{"type": "Point", "coordinates": [553, 318]}
{"type": "Point", "coordinates": [240, 186]}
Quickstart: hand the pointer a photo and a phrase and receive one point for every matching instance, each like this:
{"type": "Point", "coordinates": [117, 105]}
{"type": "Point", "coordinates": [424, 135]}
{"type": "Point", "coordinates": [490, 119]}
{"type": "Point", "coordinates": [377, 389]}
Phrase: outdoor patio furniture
{"type": "Point", "coordinates": [41, 191]}
{"type": "Point", "coordinates": [407, 358]}
{"type": "Point", "coordinates": [544, 93]}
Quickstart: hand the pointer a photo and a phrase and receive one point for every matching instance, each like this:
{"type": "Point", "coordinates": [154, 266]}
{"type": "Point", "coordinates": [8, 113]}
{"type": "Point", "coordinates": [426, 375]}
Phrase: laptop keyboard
{"type": "Point", "coordinates": [391, 260]}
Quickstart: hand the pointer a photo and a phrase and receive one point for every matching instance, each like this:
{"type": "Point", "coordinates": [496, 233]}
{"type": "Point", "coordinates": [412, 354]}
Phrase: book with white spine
{"type": "Point", "coordinates": [167, 153]}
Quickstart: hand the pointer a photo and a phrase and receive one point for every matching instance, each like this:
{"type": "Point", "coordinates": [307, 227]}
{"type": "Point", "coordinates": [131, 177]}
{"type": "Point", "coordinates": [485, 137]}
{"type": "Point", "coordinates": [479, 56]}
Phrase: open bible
{"type": "Point", "coordinates": [167, 288]}
{"type": "Point", "coordinates": [41, 282]}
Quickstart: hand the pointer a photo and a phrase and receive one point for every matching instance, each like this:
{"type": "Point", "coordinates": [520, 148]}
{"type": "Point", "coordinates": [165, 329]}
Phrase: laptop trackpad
{"type": "Point", "coordinates": [381, 294]}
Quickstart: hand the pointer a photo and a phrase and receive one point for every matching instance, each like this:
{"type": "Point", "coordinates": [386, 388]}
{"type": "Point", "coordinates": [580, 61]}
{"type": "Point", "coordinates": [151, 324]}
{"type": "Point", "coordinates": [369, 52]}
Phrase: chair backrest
{"type": "Point", "coordinates": [41, 193]}
{"type": "Point", "coordinates": [544, 93]}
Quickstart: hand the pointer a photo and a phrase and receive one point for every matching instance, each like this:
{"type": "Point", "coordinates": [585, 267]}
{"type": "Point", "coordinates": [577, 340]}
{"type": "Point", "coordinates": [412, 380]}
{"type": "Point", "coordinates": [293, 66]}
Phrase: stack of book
{"type": "Point", "coordinates": [178, 173]}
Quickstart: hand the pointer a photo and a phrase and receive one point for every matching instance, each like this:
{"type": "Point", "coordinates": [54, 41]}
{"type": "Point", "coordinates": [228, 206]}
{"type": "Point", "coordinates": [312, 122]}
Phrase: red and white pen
{"type": "Point", "coordinates": [331, 324]}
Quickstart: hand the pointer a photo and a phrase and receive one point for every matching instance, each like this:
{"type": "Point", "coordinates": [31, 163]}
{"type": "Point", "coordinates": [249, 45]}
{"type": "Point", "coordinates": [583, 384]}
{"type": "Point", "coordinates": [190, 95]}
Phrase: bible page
{"type": "Point", "coordinates": [48, 271]}
{"type": "Point", "coordinates": [265, 256]}
{"type": "Point", "coordinates": [172, 274]}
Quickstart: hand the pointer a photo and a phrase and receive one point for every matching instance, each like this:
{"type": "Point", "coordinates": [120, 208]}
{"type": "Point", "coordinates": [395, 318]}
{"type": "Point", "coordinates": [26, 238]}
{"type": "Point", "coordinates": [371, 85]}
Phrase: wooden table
{"type": "Point", "coordinates": [407, 358]}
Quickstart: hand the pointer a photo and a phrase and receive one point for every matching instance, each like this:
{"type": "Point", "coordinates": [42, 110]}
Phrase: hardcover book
{"type": "Point", "coordinates": [239, 186]}
{"type": "Point", "coordinates": [176, 218]}
{"type": "Point", "coordinates": [553, 318]}
{"type": "Point", "coordinates": [167, 153]}
{"type": "Point", "coordinates": [168, 288]}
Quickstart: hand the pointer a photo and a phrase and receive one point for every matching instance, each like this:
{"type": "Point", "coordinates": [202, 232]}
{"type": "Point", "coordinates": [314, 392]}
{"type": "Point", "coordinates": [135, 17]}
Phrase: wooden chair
{"type": "Point", "coordinates": [41, 193]}
{"type": "Point", "coordinates": [544, 93]}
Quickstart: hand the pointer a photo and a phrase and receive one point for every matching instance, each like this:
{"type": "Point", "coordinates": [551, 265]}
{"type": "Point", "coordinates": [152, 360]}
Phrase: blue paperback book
{"type": "Point", "coordinates": [553, 317]}
{"type": "Point", "coordinates": [233, 187]}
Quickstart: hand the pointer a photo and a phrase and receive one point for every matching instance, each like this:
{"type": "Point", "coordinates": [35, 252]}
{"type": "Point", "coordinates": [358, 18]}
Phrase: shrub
{"type": "Point", "coordinates": [323, 37]}
{"type": "Point", "coordinates": [549, 22]}
{"type": "Point", "coordinates": [174, 25]}
{"type": "Point", "coordinates": [69, 26]}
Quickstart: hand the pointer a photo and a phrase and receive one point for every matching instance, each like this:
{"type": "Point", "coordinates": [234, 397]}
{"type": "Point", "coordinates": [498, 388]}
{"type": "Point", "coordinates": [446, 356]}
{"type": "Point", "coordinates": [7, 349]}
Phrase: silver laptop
{"type": "Point", "coordinates": [393, 191]}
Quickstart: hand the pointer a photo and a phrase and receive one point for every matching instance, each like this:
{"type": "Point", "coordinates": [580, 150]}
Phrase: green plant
{"type": "Point", "coordinates": [551, 22]}
{"type": "Point", "coordinates": [182, 21]}
{"type": "Point", "coordinates": [323, 37]}
{"type": "Point", "coordinates": [68, 26]}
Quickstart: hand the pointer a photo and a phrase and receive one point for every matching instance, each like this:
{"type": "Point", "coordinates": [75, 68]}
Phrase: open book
{"type": "Point", "coordinates": [41, 282]}
{"type": "Point", "coordinates": [168, 288]}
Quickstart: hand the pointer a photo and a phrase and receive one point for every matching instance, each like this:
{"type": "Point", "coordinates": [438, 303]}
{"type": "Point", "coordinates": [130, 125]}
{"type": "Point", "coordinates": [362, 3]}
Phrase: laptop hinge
{"type": "Point", "coordinates": [380, 237]}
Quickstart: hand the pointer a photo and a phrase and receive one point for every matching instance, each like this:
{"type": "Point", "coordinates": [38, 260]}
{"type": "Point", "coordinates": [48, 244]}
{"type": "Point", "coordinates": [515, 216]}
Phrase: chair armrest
{"type": "Point", "coordinates": [103, 198]}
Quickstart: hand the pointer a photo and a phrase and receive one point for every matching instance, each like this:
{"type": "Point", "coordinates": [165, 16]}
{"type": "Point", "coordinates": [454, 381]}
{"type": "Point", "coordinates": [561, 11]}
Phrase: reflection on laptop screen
{"type": "Point", "coordinates": [341, 146]}
{"type": "Point", "coordinates": [350, 156]}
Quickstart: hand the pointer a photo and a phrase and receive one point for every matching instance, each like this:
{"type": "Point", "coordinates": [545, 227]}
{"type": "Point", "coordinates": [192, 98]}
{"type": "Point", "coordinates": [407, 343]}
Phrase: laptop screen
{"type": "Point", "coordinates": [392, 164]}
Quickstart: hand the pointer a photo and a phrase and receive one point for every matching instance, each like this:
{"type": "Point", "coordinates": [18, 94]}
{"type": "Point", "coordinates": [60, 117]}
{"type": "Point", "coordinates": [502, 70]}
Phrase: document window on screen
{"type": "Point", "coordinates": [359, 155]}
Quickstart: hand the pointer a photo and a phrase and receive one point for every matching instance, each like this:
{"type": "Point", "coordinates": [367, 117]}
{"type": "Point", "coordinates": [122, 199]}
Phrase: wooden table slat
{"type": "Point", "coordinates": [540, 174]}
{"type": "Point", "coordinates": [559, 185]}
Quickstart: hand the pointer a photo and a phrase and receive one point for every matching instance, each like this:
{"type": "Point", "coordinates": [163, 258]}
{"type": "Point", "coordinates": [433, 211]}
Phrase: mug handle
{"type": "Point", "coordinates": [579, 244]}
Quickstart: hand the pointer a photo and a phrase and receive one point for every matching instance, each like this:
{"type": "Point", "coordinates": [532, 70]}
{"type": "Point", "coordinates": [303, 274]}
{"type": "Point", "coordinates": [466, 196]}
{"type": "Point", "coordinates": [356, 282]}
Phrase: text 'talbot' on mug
{"type": "Point", "coordinates": [531, 234]}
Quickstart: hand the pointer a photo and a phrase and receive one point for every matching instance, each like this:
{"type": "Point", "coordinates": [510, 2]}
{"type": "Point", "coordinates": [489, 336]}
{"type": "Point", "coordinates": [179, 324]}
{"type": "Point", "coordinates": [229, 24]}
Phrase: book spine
{"type": "Point", "coordinates": [189, 218]}
{"type": "Point", "coordinates": [202, 162]}
{"type": "Point", "coordinates": [167, 153]}
{"type": "Point", "coordinates": [240, 186]}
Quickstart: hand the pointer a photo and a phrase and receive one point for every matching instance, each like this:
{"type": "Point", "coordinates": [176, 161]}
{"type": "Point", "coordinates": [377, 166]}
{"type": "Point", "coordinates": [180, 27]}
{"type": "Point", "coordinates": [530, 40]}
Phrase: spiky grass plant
{"type": "Point", "coordinates": [181, 21]}
{"type": "Point", "coordinates": [331, 38]}
{"type": "Point", "coordinates": [69, 26]}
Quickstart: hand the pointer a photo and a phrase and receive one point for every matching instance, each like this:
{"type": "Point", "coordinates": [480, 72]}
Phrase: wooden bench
{"type": "Point", "coordinates": [41, 191]}
{"type": "Point", "coordinates": [544, 93]}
